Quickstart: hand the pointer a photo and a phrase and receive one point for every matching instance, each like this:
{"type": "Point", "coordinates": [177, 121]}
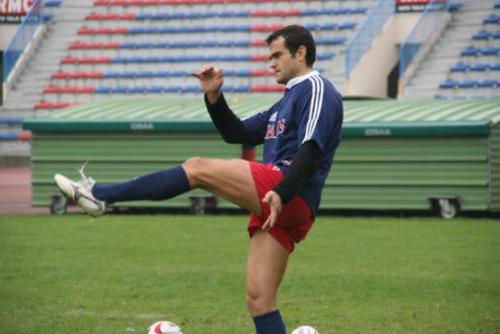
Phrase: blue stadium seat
{"type": "Point", "coordinates": [468, 84]}
{"type": "Point", "coordinates": [112, 74]}
{"type": "Point", "coordinates": [459, 68]}
{"type": "Point", "coordinates": [129, 74]}
{"type": "Point", "coordinates": [495, 67]}
{"type": "Point", "coordinates": [103, 90]}
{"type": "Point", "coordinates": [347, 26]}
{"type": "Point", "coordinates": [172, 89]}
{"type": "Point", "coordinates": [454, 6]}
{"type": "Point", "coordinates": [490, 51]}
{"type": "Point", "coordinates": [138, 90]}
{"type": "Point", "coordinates": [487, 83]}
{"type": "Point", "coordinates": [10, 121]}
{"type": "Point", "coordinates": [120, 90]}
{"type": "Point", "coordinates": [448, 84]}
{"type": "Point", "coordinates": [492, 19]}
{"type": "Point", "coordinates": [191, 89]}
{"type": "Point", "coordinates": [471, 51]}
{"type": "Point", "coordinates": [155, 89]}
{"type": "Point", "coordinates": [147, 74]}
{"type": "Point", "coordinates": [52, 3]}
{"type": "Point", "coordinates": [482, 35]}
{"type": "Point", "coordinates": [330, 41]}
{"type": "Point", "coordinates": [359, 10]}
{"type": "Point", "coordinates": [479, 67]}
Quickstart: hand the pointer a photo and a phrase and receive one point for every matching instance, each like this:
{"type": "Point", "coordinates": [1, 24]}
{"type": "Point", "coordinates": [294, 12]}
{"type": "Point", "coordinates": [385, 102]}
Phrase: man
{"type": "Point", "coordinates": [300, 134]}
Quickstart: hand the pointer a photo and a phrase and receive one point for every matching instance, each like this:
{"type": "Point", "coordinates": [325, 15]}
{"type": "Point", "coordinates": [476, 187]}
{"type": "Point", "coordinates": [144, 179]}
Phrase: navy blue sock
{"type": "Point", "coordinates": [155, 186]}
{"type": "Point", "coordinates": [270, 323]}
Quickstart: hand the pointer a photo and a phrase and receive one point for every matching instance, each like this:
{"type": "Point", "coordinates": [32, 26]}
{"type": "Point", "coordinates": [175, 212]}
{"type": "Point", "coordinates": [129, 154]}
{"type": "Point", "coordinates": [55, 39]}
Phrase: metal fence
{"type": "Point", "coordinates": [370, 28]}
{"type": "Point", "coordinates": [430, 22]}
{"type": "Point", "coordinates": [22, 37]}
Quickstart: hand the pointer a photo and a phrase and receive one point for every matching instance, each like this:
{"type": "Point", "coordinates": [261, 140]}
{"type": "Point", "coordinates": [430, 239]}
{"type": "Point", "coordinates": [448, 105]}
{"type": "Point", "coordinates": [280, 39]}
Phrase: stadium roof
{"type": "Point", "coordinates": [362, 117]}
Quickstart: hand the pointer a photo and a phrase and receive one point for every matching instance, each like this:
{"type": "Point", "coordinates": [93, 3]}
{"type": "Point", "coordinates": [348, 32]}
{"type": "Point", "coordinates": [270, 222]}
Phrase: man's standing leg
{"type": "Point", "coordinates": [267, 261]}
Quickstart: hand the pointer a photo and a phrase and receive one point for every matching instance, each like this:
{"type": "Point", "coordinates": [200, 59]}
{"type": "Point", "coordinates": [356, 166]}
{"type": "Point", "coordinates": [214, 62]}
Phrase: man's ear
{"type": "Point", "coordinates": [301, 53]}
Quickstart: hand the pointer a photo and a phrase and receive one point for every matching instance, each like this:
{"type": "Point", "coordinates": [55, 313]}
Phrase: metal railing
{"type": "Point", "coordinates": [22, 37]}
{"type": "Point", "coordinates": [430, 23]}
{"type": "Point", "coordinates": [370, 28]}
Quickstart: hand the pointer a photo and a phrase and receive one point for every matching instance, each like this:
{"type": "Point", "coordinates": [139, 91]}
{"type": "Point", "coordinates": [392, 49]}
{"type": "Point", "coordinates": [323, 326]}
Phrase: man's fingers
{"type": "Point", "coordinates": [269, 222]}
{"type": "Point", "coordinates": [205, 70]}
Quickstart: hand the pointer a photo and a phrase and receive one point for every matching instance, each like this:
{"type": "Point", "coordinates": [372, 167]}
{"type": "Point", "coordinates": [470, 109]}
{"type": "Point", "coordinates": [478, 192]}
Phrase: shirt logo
{"type": "Point", "coordinates": [273, 117]}
{"type": "Point", "coordinates": [275, 129]}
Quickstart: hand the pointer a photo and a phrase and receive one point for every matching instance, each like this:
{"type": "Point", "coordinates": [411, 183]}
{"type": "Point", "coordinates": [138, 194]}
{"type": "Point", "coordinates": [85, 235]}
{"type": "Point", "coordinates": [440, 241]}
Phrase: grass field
{"type": "Point", "coordinates": [118, 274]}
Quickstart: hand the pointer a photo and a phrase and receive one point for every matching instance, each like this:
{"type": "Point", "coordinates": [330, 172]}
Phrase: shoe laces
{"type": "Point", "coordinates": [85, 181]}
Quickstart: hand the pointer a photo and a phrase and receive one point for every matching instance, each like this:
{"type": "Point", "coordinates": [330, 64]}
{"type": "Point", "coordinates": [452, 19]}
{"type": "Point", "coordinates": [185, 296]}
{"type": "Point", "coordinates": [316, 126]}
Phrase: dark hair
{"type": "Point", "coordinates": [295, 36]}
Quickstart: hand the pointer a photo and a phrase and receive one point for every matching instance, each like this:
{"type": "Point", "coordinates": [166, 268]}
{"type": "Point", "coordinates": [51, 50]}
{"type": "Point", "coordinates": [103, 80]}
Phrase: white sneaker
{"type": "Point", "coordinates": [81, 192]}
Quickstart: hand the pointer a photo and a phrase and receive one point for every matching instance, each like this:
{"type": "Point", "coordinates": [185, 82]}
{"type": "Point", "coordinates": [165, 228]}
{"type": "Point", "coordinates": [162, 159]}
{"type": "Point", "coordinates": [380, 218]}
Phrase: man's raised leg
{"type": "Point", "coordinates": [231, 179]}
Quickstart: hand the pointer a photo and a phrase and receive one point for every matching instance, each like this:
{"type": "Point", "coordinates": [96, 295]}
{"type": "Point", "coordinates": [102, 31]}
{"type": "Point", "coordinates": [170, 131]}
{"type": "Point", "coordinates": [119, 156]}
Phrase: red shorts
{"type": "Point", "coordinates": [295, 219]}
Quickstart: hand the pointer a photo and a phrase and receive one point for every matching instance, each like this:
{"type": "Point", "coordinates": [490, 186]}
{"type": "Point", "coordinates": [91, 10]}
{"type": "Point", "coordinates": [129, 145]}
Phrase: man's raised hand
{"type": "Point", "coordinates": [211, 80]}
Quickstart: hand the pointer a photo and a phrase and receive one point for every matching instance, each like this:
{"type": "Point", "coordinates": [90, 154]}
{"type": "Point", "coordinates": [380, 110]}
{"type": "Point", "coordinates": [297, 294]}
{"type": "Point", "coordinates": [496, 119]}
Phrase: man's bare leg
{"type": "Point", "coordinates": [231, 179]}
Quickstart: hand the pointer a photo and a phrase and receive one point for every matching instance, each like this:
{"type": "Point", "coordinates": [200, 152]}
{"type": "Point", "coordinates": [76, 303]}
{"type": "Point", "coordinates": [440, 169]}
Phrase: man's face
{"type": "Point", "coordinates": [285, 65]}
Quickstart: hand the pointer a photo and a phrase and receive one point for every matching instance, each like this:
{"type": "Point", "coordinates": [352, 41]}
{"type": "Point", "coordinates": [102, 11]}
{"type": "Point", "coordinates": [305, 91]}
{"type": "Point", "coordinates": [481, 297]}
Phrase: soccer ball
{"type": "Point", "coordinates": [305, 330]}
{"type": "Point", "coordinates": [164, 327]}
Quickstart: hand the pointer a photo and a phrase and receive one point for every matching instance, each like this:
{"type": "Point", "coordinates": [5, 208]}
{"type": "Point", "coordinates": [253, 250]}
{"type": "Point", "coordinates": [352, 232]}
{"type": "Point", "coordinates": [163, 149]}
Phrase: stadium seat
{"type": "Point", "coordinates": [110, 17]}
{"type": "Point", "coordinates": [268, 88]}
{"type": "Point", "coordinates": [455, 6]}
{"type": "Point", "coordinates": [470, 52]}
{"type": "Point", "coordinates": [468, 84]}
{"type": "Point", "coordinates": [482, 35]}
{"type": "Point", "coordinates": [52, 3]}
{"type": "Point", "coordinates": [68, 90]}
{"type": "Point", "coordinates": [459, 68]}
{"type": "Point", "coordinates": [479, 67]}
{"type": "Point", "coordinates": [15, 135]}
{"type": "Point", "coordinates": [52, 105]}
{"type": "Point", "coordinates": [448, 84]}
{"type": "Point", "coordinates": [492, 19]}
{"type": "Point", "coordinates": [490, 51]}
{"type": "Point", "coordinates": [487, 83]}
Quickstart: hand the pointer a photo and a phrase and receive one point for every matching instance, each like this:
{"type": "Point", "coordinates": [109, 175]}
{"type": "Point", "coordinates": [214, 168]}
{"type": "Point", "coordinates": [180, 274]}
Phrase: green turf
{"type": "Point", "coordinates": [118, 274]}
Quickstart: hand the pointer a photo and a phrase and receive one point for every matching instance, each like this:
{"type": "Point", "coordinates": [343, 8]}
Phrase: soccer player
{"type": "Point", "coordinates": [300, 134]}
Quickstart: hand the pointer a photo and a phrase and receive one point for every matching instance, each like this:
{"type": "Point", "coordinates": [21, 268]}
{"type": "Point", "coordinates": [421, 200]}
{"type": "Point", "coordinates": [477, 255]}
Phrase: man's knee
{"type": "Point", "coordinates": [194, 167]}
{"type": "Point", "coordinates": [258, 303]}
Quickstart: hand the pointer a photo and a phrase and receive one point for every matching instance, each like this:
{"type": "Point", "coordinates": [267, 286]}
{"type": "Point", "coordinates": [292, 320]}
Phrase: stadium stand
{"type": "Point", "coordinates": [464, 63]}
{"type": "Point", "coordinates": [101, 49]}
{"type": "Point", "coordinates": [124, 48]}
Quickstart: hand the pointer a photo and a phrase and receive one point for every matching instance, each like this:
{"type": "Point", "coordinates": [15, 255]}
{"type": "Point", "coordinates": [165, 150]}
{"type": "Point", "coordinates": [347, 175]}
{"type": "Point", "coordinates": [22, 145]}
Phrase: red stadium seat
{"type": "Point", "coordinates": [68, 90]}
{"type": "Point", "coordinates": [262, 72]}
{"type": "Point", "coordinates": [267, 89]}
{"type": "Point", "coordinates": [102, 31]}
{"type": "Point", "coordinates": [77, 75]}
{"type": "Point", "coordinates": [53, 105]}
{"type": "Point", "coordinates": [81, 45]}
{"type": "Point", "coordinates": [267, 27]}
{"type": "Point", "coordinates": [112, 17]}
{"type": "Point", "coordinates": [86, 60]}
{"type": "Point", "coordinates": [265, 13]}
{"type": "Point", "coordinates": [262, 57]}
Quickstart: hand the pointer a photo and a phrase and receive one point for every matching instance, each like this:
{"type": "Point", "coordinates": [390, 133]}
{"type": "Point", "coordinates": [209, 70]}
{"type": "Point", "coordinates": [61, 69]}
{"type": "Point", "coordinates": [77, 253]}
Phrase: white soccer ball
{"type": "Point", "coordinates": [305, 330]}
{"type": "Point", "coordinates": [164, 327]}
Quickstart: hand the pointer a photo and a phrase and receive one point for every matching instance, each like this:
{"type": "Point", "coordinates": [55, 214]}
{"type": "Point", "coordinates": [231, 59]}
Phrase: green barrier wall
{"type": "Point", "coordinates": [368, 173]}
